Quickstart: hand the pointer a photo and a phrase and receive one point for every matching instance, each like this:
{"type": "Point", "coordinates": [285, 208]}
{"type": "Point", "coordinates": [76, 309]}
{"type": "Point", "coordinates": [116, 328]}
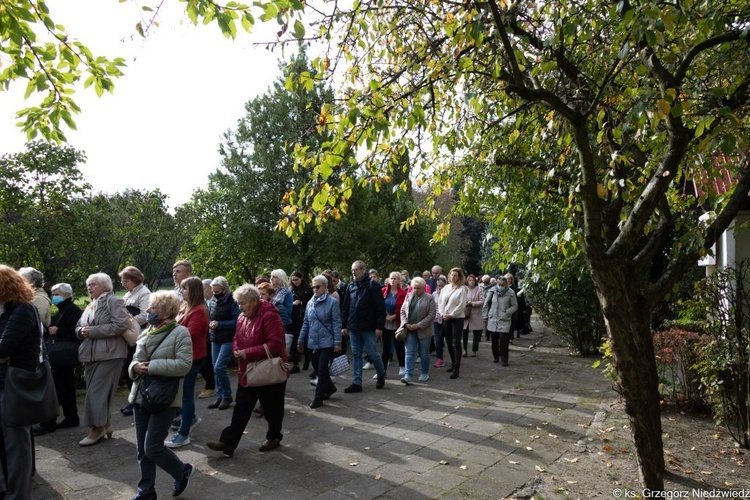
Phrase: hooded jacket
{"type": "Point", "coordinates": [498, 309]}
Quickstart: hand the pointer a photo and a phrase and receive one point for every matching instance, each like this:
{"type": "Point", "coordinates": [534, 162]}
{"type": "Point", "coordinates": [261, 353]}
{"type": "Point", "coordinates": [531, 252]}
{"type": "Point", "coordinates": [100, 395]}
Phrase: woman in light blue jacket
{"type": "Point", "coordinates": [321, 333]}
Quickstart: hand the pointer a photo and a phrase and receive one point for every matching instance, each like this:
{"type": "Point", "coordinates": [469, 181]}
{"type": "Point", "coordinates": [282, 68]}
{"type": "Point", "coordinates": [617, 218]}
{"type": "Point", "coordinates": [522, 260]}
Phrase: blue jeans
{"type": "Point", "coordinates": [150, 432]}
{"type": "Point", "coordinates": [414, 346]}
{"type": "Point", "coordinates": [359, 340]}
{"type": "Point", "coordinates": [187, 414]}
{"type": "Point", "coordinates": [221, 353]}
{"type": "Point", "coordinates": [438, 327]}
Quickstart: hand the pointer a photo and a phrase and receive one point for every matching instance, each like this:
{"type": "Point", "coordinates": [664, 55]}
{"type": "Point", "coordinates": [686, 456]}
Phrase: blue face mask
{"type": "Point", "coordinates": [56, 299]}
{"type": "Point", "coordinates": [153, 319]}
{"type": "Point", "coordinates": [500, 289]}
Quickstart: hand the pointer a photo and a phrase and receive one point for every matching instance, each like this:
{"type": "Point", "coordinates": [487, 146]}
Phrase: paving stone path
{"type": "Point", "coordinates": [483, 435]}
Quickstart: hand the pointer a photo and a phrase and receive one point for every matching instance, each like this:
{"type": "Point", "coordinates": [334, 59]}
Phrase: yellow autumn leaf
{"type": "Point", "coordinates": [601, 191]}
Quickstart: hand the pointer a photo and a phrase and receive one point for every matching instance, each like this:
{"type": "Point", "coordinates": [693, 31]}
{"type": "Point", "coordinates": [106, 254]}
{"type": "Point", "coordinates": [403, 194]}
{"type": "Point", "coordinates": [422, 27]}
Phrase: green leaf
{"type": "Point", "coordinates": [299, 29]}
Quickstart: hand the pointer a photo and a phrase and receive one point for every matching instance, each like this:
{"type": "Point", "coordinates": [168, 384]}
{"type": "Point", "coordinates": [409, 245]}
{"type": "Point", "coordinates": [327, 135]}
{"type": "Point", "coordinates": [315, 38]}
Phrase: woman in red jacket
{"type": "Point", "coordinates": [394, 295]}
{"type": "Point", "coordinates": [258, 324]}
{"type": "Point", "coordinates": [193, 316]}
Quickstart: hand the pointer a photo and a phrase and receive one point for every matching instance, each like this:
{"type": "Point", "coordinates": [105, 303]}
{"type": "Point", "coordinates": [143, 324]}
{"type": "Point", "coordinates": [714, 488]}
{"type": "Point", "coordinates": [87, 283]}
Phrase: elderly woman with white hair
{"type": "Point", "coordinates": [63, 330]}
{"type": "Point", "coordinates": [223, 313]}
{"type": "Point", "coordinates": [259, 327]}
{"type": "Point", "coordinates": [321, 334]}
{"type": "Point", "coordinates": [35, 278]}
{"type": "Point", "coordinates": [102, 351]}
{"type": "Point", "coordinates": [417, 317]}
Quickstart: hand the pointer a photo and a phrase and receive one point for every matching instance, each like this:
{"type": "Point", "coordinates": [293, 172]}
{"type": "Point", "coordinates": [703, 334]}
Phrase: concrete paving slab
{"type": "Point", "coordinates": [441, 439]}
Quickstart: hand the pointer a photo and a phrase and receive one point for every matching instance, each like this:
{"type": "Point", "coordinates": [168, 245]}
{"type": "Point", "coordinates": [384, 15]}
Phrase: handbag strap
{"type": "Point", "coordinates": [268, 351]}
{"type": "Point", "coordinates": [157, 345]}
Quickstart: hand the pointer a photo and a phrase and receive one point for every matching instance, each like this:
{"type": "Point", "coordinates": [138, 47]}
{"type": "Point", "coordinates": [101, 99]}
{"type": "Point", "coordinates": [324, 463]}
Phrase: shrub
{"type": "Point", "coordinates": [723, 355]}
{"type": "Point", "coordinates": [676, 355]}
{"type": "Point", "coordinates": [565, 300]}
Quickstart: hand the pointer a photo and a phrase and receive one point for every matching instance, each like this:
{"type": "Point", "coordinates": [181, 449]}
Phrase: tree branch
{"type": "Point", "coordinates": [684, 66]}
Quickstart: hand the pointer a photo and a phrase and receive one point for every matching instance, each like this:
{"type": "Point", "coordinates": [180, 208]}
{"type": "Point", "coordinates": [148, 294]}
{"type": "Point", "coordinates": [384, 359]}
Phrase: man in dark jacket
{"type": "Point", "coordinates": [363, 320]}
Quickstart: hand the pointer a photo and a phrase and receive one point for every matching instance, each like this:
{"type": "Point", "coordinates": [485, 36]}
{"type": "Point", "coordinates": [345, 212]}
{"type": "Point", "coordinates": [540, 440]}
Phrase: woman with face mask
{"type": "Point", "coordinates": [63, 329]}
{"type": "Point", "coordinates": [165, 350]}
{"type": "Point", "coordinates": [497, 313]}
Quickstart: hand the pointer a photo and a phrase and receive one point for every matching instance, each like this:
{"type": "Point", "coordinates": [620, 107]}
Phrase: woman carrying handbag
{"type": "Point", "coordinates": [19, 347]}
{"type": "Point", "coordinates": [163, 355]}
{"type": "Point", "coordinates": [259, 331]}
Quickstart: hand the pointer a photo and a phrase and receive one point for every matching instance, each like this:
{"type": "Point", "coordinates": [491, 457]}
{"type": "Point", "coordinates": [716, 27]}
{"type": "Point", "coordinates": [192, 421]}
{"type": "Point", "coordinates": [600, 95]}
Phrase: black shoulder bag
{"type": "Point", "coordinates": [158, 391]}
{"type": "Point", "coordinates": [30, 395]}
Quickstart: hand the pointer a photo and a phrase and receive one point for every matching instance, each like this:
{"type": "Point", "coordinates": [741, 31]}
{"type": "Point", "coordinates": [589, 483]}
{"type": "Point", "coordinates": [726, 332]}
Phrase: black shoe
{"type": "Point", "coordinates": [40, 430]}
{"type": "Point", "coordinates": [269, 444]}
{"type": "Point", "coordinates": [313, 374]}
{"type": "Point", "coordinates": [222, 447]}
{"type": "Point", "coordinates": [215, 404]}
{"type": "Point", "coordinates": [454, 374]}
{"type": "Point", "coordinates": [331, 392]}
{"type": "Point", "coordinates": [317, 403]}
{"type": "Point", "coordinates": [181, 485]}
{"type": "Point", "coordinates": [381, 382]}
{"type": "Point", "coordinates": [68, 423]}
{"type": "Point", "coordinates": [127, 410]}
{"type": "Point", "coordinates": [450, 370]}
{"type": "Point", "coordinates": [225, 403]}
{"type": "Point", "coordinates": [306, 366]}
{"type": "Point", "coordinates": [496, 360]}
{"type": "Point", "coordinates": [295, 369]}
{"type": "Point", "coordinates": [353, 388]}
{"type": "Point", "coordinates": [504, 363]}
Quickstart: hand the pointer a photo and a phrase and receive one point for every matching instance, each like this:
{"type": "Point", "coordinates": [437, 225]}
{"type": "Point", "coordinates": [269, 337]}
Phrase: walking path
{"type": "Point", "coordinates": [483, 435]}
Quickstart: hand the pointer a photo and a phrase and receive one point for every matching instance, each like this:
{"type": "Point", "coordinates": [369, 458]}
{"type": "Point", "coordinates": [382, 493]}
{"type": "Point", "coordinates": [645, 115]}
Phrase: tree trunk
{"type": "Point", "coordinates": [627, 323]}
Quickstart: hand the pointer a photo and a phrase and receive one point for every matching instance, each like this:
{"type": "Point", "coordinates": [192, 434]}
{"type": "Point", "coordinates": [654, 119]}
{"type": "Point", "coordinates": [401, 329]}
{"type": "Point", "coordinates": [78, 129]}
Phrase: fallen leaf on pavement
{"type": "Point", "coordinates": [552, 436]}
{"type": "Point", "coordinates": [378, 477]}
{"type": "Point", "coordinates": [571, 460]}
{"type": "Point", "coordinates": [443, 462]}
{"type": "Point", "coordinates": [464, 467]}
{"type": "Point", "coordinates": [539, 469]}
{"type": "Point", "coordinates": [512, 462]}
{"type": "Point", "coordinates": [529, 448]}
{"type": "Point", "coordinates": [353, 464]}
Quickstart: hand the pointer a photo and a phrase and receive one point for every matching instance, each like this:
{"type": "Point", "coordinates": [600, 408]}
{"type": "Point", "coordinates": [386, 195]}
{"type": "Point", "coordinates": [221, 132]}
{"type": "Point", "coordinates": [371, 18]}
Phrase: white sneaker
{"type": "Point", "coordinates": [406, 380]}
{"type": "Point", "coordinates": [424, 378]}
{"type": "Point", "coordinates": [401, 371]}
{"type": "Point", "coordinates": [368, 366]}
{"type": "Point", "coordinates": [314, 381]}
{"type": "Point", "coordinates": [375, 376]}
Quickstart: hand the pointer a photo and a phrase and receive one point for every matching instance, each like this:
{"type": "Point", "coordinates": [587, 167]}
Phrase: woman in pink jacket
{"type": "Point", "coordinates": [258, 324]}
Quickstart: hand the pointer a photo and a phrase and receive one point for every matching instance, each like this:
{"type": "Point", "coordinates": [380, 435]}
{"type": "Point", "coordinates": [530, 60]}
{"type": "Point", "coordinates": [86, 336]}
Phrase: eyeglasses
{"type": "Point", "coordinates": [315, 287]}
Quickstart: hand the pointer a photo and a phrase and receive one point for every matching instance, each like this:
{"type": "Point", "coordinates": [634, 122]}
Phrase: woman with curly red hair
{"type": "Point", "coordinates": [19, 347]}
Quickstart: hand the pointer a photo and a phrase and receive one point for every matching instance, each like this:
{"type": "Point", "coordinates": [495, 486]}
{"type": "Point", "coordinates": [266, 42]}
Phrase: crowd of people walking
{"type": "Point", "coordinates": [159, 343]}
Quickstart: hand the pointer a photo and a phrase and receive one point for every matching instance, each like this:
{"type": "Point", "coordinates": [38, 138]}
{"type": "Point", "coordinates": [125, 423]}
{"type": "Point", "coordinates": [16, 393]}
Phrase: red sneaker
{"type": "Point", "coordinates": [438, 363]}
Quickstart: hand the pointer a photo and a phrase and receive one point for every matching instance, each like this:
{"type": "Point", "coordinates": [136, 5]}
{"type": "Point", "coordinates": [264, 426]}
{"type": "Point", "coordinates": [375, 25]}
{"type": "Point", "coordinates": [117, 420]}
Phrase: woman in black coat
{"type": "Point", "coordinates": [62, 329]}
{"type": "Point", "coordinates": [20, 337]}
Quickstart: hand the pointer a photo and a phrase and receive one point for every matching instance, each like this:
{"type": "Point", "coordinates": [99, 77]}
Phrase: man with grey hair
{"type": "Point", "coordinates": [436, 271]}
{"type": "Point", "coordinates": [41, 300]}
{"type": "Point", "coordinates": [363, 320]}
